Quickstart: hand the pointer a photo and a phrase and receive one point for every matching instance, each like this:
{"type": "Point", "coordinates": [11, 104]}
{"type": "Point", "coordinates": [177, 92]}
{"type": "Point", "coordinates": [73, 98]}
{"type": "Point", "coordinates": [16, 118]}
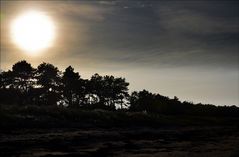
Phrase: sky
{"type": "Point", "coordinates": [188, 49]}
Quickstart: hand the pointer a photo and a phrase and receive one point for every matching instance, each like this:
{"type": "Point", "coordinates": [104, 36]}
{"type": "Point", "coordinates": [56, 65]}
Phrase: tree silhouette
{"type": "Point", "coordinates": [6, 79]}
{"type": "Point", "coordinates": [94, 90]}
{"type": "Point", "coordinates": [49, 82]}
{"type": "Point", "coordinates": [7, 92]}
{"type": "Point", "coordinates": [115, 90]}
{"type": "Point", "coordinates": [141, 101]}
{"type": "Point", "coordinates": [46, 85]}
{"type": "Point", "coordinates": [23, 75]}
{"type": "Point", "coordinates": [71, 86]}
{"type": "Point", "coordinates": [121, 94]}
{"type": "Point", "coordinates": [108, 90]}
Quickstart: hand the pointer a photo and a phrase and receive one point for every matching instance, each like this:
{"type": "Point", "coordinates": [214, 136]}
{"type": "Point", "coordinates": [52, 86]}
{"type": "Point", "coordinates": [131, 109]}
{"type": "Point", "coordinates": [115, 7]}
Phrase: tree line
{"type": "Point", "coordinates": [46, 85]}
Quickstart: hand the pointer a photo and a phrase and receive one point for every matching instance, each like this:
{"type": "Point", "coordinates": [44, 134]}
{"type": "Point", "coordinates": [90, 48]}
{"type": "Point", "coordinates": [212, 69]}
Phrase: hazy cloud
{"type": "Point", "coordinates": [131, 38]}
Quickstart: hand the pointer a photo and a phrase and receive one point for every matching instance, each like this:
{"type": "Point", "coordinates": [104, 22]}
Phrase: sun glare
{"type": "Point", "coordinates": [33, 32]}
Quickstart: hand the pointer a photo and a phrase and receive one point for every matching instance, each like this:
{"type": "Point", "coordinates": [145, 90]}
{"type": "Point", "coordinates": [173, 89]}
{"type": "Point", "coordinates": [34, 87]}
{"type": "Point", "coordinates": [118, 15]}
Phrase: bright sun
{"type": "Point", "coordinates": [33, 31]}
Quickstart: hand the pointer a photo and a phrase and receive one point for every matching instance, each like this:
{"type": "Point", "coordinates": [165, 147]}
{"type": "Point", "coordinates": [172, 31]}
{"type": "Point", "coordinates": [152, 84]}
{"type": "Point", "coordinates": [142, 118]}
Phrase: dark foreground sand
{"type": "Point", "coordinates": [121, 142]}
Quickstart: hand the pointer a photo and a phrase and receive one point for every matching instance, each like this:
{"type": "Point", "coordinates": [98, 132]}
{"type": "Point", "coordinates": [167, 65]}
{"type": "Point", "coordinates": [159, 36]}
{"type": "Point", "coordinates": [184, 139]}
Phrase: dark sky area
{"type": "Point", "coordinates": [185, 48]}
